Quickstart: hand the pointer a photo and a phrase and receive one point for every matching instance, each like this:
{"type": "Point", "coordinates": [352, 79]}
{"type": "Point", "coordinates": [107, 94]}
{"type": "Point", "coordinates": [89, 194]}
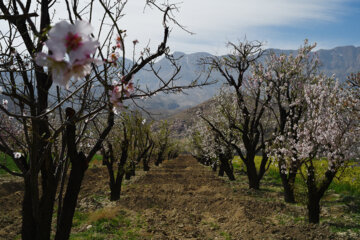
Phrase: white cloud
{"type": "Point", "coordinates": [216, 22]}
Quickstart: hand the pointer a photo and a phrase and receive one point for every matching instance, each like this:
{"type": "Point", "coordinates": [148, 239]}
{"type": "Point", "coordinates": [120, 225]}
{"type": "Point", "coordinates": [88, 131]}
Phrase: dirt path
{"type": "Point", "coordinates": [180, 200]}
{"type": "Point", "coordinates": [185, 200]}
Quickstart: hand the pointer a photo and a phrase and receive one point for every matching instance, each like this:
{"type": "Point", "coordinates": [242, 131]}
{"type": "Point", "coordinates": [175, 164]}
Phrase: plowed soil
{"type": "Point", "coordinates": [181, 200]}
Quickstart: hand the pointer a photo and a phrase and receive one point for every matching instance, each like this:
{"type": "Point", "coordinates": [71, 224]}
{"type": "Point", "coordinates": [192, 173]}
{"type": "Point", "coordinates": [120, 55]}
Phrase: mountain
{"type": "Point", "coordinates": [340, 61]}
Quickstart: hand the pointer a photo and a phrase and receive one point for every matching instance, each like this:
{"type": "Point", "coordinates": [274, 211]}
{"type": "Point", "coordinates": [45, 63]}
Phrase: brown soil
{"type": "Point", "coordinates": [181, 200]}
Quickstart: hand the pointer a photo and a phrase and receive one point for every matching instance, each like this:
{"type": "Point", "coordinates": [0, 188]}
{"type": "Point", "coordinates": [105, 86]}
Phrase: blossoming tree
{"type": "Point", "coordinates": [220, 116]}
{"type": "Point", "coordinates": [128, 144]}
{"type": "Point", "coordinates": [58, 79]}
{"type": "Point", "coordinates": [251, 97]}
{"type": "Point", "coordinates": [286, 76]}
{"type": "Point", "coordinates": [327, 131]}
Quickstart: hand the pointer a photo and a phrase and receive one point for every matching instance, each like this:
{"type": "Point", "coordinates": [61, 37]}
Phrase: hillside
{"type": "Point", "coordinates": [340, 61]}
{"type": "Point", "coordinates": [183, 121]}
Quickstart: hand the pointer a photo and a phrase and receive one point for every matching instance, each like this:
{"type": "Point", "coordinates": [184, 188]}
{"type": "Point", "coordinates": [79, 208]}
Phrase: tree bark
{"type": "Point", "coordinates": [115, 189]}
{"type": "Point", "coordinates": [28, 230]}
{"type": "Point", "coordinates": [288, 183]}
{"type": "Point", "coordinates": [226, 167]}
{"type": "Point", "coordinates": [313, 208]}
{"type": "Point", "coordinates": [254, 181]}
{"type": "Point", "coordinates": [221, 170]}
{"type": "Point", "coordinates": [72, 192]}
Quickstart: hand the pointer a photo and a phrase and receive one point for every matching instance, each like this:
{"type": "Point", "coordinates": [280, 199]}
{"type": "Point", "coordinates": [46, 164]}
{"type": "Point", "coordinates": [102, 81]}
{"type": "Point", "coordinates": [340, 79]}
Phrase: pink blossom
{"type": "Point", "coordinates": [73, 41]}
{"type": "Point", "coordinates": [119, 90]}
{"type": "Point", "coordinates": [113, 57]}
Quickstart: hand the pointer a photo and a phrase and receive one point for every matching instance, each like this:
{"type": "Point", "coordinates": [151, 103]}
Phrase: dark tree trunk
{"type": "Point", "coordinates": [115, 189]}
{"type": "Point", "coordinates": [221, 170]}
{"type": "Point", "coordinates": [146, 166]}
{"type": "Point", "coordinates": [229, 172]}
{"type": "Point", "coordinates": [115, 193]}
{"type": "Point", "coordinates": [288, 183]}
{"type": "Point", "coordinates": [159, 159]}
{"type": "Point", "coordinates": [47, 207]}
{"type": "Point", "coordinates": [79, 166]}
{"type": "Point", "coordinates": [28, 230]}
{"type": "Point", "coordinates": [313, 208]}
{"type": "Point", "coordinates": [226, 167]}
{"type": "Point", "coordinates": [254, 182]}
{"type": "Point", "coordinates": [128, 175]}
{"type": "Point", "coordinates": [214, 167]}
{"type": "Point", "coordinates": [316, 191]}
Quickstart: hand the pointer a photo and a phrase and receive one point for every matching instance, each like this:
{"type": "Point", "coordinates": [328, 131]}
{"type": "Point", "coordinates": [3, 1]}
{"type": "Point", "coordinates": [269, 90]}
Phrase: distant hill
{"type": "Point", "coordinates": [340, 61]}
{"type": "Point", "coordinates": [181, 122]}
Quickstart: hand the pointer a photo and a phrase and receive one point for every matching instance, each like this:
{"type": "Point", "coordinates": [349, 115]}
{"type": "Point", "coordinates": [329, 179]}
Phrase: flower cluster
{"type": "Point", "coordinates": [120, 90]}
{"type": "Point", "coordinates": [114, 56]}
{"type": "Point", "coordinates": [328, 129]}
{"type": "Point", "coordinates": [70, 49]}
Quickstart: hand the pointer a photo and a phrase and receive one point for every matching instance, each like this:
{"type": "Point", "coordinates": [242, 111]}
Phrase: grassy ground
{"type": "Point", "coordinates": [107, 223]}
{"type": "Point", "coordinates": [346, 182]}
{"type": "Point", "coordinates": [340, 205]}
{"type": "Point", "coordinates": [8, 162]}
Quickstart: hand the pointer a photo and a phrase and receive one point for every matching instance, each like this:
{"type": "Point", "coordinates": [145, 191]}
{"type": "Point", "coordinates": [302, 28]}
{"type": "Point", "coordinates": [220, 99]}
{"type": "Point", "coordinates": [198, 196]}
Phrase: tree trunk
{"type": "Point", "coordinates": [254, 182]}
{"type": "Point", "coordinates": [214, 167]}
{"type": "Point", "coordinates": [115, 193]}
{"type": "Point", "coordinates": [288, 185]}
{"type": "Point", "coordinates": [313, 208]}
{"type": "Point", "coordinates": [28, 230]}
{"type": "Point", "coordinates": [229, 172]}
{"type": "Point", "coordinates": [221, 170]}
{"type": "Point", "coordinates": [146, 166]}
{"type": "Point", "coordinates": [115, 189]}
{"type": "Point", "coordinates": [47, 207]}
{"type": "Point", "coordinates": [225, 166]}
{"type": "Point", "coordinates": [79, 166]}
{"type": "Point", "coordinates": [37, 213]}
{"type": "Point", "coordinates": [128, 175]}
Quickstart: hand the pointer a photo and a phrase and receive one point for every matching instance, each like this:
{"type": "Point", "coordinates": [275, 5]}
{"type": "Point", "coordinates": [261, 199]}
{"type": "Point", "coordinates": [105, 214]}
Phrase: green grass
{"type": "Point", "coordinates": [226, 235]}
{"type": "Point", "coordinates": [343, 194]}
{"type": "Point", "coordinates": [345, 183]}
{"type": "Point", "coordinates": [105, 224]}
{"type": "Point", "coordinates": [8, 162]}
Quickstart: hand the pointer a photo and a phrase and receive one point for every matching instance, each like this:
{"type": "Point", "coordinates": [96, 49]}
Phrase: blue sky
{"type": "Point", "coordinates": [280, 24]}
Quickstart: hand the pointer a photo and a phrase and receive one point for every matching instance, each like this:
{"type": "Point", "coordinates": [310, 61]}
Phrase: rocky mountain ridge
{"type": "Point", "coordinates": [340, 61]}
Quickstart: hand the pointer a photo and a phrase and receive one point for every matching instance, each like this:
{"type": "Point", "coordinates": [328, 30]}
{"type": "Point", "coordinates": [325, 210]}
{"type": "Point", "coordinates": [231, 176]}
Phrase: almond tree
{"type": "Point", "coordinates": [162, 143]}
{"type": "Point", "coordinates": [127, 145]}
{"type": "Point", "coordinates": [286, 76]}
{"type": "Point", "coordinates": [222, 112]}
{"type": "Point", "coordinates": [210, 149]}
{"type": "Point", "coordinates": [354, 83]}
{"type": "Point", "coordinates": [200, 142]}
{"type": "Point", "coordinates": [37, 55]}
{"type": "Point", "coordinates": [252, 96]}
{"type": "Point", "coordinates": [328, 131]}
